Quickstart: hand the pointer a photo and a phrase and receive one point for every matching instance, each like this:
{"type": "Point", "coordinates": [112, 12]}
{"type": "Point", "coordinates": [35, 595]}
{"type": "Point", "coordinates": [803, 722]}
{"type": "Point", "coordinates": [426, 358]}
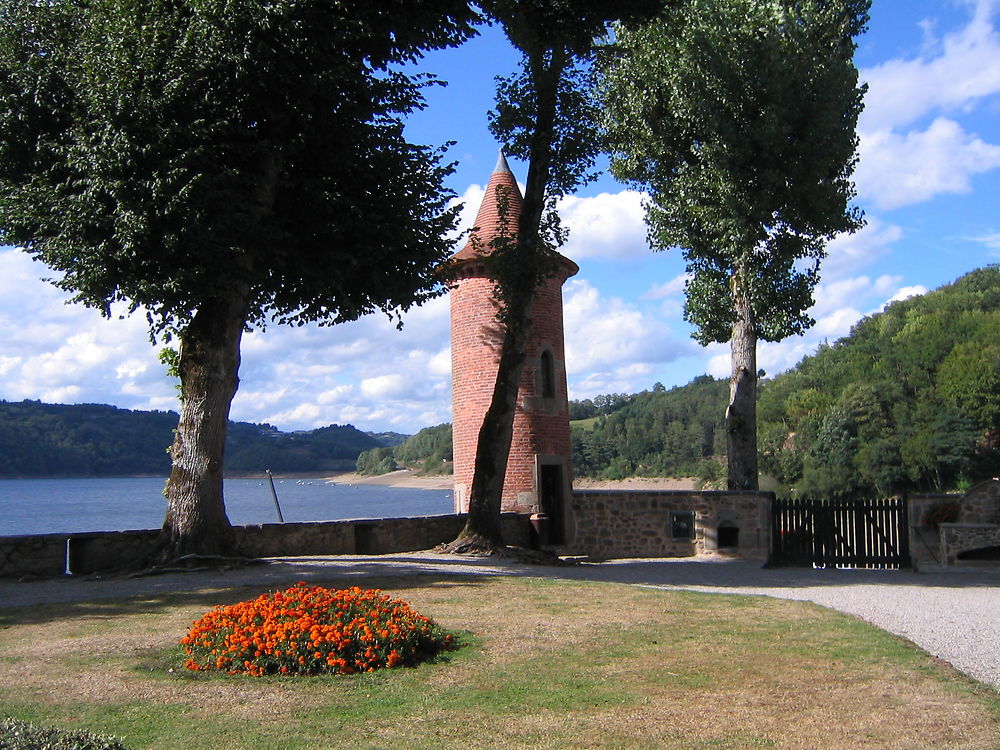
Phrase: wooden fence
{"type": "Point", "coordinates": [840, 534]}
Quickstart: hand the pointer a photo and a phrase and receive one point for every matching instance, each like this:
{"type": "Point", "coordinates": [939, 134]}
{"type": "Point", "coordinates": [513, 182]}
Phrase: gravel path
{"type": "Point", "coordinates": [954, 615]}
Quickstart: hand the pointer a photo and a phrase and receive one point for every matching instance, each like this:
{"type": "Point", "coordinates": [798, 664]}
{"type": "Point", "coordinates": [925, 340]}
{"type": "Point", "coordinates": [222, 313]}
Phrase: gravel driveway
{"type": "Point", "coordinates": [954, 615]}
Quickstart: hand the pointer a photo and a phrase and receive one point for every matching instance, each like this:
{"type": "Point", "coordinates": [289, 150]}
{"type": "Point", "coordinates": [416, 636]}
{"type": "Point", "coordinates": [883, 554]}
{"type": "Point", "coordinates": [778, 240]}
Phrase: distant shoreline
{"type": "Point", "coordinates": [409, 480]}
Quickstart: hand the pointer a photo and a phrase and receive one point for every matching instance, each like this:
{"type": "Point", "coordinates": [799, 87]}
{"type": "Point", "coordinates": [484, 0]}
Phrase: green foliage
{"type": "Point", "coordinates": [20, 735]}
{"type": "Point", "coordinates": [907, 401]}
{"type": "Point", "coordinates": [161, 154]}
{"type": "Point", "coordinates": [376, 461]}
{"type": "Point", "coordinates": [739, 117]}
{"type": "Point", "coordinates": [600, 405]}
{"type": "Point", "coordinates": [39, 440]}
{"type": "Point", "coordinates": [429, 452]}
{"type": "Point", "coordinates": [429, 449]}
{"type": "Point", "coordinates": [654, 433]}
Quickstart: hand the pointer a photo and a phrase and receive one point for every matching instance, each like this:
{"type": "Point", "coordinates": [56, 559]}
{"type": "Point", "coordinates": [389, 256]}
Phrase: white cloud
{"type": "Point", "coordinates": [991, 241]}
{"type": "Point", "coordinates": [951, 75]}
{"type": "Point", "coordinates": [897, 170]}
{"type": "Point", "coordinates": [848, 253]}
{"type": "Point", "coordinates": [385, 386]}
{"type": "Point", "coordinates": [902, 162]}
{"type": "Point", "coordinates": [905, 293]}
{"type": "Point", "coordinates": [614, 346]}
{"type": "Point", "coordinates": [609, 225]}
{"type": "Point", "coordinates": [606, 333]}
{"type": "Point", "coordinates": [671, 288]}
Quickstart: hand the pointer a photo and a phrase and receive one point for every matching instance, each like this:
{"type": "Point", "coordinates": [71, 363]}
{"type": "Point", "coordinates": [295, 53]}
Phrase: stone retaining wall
{"type": "Point", "coordinates": [957, 538]}
{"type": "Point", "coordinates": [48, 555]}
{"type": "Point", "coordinates": [644, 523]}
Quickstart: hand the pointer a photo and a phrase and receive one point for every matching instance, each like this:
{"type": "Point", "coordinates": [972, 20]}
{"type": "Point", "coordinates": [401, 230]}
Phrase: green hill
{"type": "Point", "coordinates": [910, 400]}
{"type": "Point", "coordinates": [38, 440]}
{"type": "Point", "coordinates": [427, 452]}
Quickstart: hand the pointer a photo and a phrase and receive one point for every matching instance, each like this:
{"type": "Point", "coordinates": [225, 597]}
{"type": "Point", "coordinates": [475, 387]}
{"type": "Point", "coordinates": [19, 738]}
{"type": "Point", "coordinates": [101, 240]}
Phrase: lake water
{"type": "Point", "coordinates": [49, 506]}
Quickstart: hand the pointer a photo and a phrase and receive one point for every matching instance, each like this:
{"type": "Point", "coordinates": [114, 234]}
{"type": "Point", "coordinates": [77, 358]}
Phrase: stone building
{"type": "Point", "coordinates": [538, 475]}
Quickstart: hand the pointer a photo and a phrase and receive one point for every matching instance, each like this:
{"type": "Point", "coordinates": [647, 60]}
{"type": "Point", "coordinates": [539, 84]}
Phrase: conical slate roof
{"type": "Point", "coordinates": [488, 224]}
{"type": "Point", "coordinates": [488, 219]}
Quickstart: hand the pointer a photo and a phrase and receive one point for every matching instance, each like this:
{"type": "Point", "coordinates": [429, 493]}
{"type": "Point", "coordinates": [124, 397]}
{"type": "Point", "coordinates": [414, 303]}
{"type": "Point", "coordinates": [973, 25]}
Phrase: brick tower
{"type": "Point", "coordinates": [538, 478]}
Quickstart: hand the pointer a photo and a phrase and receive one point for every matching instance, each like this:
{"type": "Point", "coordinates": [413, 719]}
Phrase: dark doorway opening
{"type": "Point", "coordinates": [728, 535]}
{"type": "Point", "coordinates": [551, 500]}
{"type": "Point", "coordinates": [364, 539]}
{"type": "Point", "coordinates": [982, 553]}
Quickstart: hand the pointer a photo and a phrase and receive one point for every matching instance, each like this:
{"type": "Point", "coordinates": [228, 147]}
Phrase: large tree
{"type": "Point", "coordinates": [546, 115]}
{"type": "Point", "coordinates": [221, 164]}
{"type": "Point", "coordinates": [738, 117]}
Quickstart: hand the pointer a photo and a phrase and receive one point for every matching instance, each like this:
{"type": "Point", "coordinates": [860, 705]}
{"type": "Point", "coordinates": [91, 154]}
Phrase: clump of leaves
{"type": "Point", "coordinates": [313, 630]}
{"type": "Point", "coordinates": [20, 735]}
{"type": "Point", "coordinates": [942, 511]}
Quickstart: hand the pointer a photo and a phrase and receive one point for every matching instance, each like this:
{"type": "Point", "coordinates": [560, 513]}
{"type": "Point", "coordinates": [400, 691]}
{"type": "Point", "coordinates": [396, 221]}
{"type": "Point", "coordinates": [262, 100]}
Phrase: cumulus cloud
{"type": "Point", "coordinates": [951, 74]}
{"type": "Point", "coordinates": [366, 373]}
{"type": "Point", "coordinates": [848, 253]}
{"type": "Point", "coordinates": [613, 345]}
{"type": "Point", "coordinates": [608, 225]}
{"type": "Point", "coordinates": [901, 169]}
{"type": "Point", "coordinates": [903, 162]}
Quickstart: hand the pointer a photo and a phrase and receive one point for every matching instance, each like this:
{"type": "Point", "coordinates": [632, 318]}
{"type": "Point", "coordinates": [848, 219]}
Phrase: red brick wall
{"type": "Point", "coordinates": [541, 425]}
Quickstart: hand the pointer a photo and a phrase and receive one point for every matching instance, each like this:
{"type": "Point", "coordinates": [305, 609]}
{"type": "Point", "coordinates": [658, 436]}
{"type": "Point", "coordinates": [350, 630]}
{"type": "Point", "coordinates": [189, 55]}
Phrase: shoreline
{"type": "Point", "coordinates": [407, 479]}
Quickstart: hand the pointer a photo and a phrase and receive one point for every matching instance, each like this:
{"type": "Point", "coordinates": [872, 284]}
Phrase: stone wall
{"type": "Point", "coordinates": [957, 538]}
{"type": "Point", "coordinates": [644, 523]}
{"type": "Point", "coordinates": [50, 555]}
{"type": "Point", "coordinates": [979, 508]}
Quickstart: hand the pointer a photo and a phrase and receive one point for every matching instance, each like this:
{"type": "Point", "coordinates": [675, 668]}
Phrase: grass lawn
{"type": "Point", "coordinates": [546, 664]}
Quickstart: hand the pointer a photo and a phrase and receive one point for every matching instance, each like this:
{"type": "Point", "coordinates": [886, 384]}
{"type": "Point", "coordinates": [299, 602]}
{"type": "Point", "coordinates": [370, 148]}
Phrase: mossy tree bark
{"type": "Point", "coordinates": [196, 521]}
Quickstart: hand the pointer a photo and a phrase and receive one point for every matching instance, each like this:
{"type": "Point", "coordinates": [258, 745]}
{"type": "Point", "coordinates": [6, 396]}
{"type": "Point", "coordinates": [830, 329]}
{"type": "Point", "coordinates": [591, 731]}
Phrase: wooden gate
{"type": "Point", "coordinates": [840, 534]}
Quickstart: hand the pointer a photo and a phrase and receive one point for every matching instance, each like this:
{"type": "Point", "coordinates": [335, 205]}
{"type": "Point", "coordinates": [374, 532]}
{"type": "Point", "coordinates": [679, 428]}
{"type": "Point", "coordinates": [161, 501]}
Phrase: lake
{"type": "Point", "coordinates": [50, 506]}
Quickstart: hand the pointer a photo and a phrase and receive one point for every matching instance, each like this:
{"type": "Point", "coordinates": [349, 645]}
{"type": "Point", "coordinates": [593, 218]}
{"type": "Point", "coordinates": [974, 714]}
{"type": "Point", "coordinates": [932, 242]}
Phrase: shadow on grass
{"type": "Point", "coordinates": [76, 597]}
{"type": "Point", "coordinates": [217, 592]}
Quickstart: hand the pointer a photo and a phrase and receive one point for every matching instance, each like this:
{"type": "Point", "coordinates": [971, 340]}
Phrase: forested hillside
{"type": "Point", "coordinates": [427, 452]}
{"type": "Point", "coordinates": [39, 439]}
{"type": "Point", "coordinates": [910, 400]}
{"type": "Point", "coordinates": [661, 432]}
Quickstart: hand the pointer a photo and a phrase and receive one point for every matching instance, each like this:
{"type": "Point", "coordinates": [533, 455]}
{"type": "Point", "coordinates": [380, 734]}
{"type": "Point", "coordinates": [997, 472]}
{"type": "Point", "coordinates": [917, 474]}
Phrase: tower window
{"type": "Point", "coordinates": [548, 375]}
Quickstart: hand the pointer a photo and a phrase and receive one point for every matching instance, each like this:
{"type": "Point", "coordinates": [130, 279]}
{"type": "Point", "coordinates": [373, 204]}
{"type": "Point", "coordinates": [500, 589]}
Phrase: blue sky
{"type": "Point", "coordinates": [928, 181]}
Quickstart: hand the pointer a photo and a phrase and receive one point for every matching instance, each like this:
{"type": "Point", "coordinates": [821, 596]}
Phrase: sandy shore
{"type": "Point", "coordinates": [402, 478]}
{"type": "Point", "coordinates": [409, 480]}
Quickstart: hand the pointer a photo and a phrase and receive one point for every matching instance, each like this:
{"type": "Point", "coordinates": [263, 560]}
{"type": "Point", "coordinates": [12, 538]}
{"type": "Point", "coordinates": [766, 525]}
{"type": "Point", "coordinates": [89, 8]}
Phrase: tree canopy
{"type": "Point", "coordinates": [162, 153]}
{"type": "Point", "coordinates": [738, 117]}
{"type": "Point", "coordinates": [222, 164]}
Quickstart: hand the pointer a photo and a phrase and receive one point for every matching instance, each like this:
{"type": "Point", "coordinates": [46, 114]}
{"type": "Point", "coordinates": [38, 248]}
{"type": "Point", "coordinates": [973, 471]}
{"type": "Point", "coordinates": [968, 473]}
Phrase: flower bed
{"type": "Point", "coordinates": [313, 630]}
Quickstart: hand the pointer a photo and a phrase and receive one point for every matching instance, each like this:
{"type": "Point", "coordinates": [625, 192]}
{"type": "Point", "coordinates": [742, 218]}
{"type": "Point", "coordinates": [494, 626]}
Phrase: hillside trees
{"type": "Point", "coordinates": [739, 118]}
{"type": "Point", "coordinates": [429, 451]}
{"type": "Point", "coordinates": [907, 401]}
{"type": "Point", "coordinates": [221, 165]}
{"type": "Point", "coordinates": [675, 432]}
{"type": "Point", "coordinates": [546, 116]}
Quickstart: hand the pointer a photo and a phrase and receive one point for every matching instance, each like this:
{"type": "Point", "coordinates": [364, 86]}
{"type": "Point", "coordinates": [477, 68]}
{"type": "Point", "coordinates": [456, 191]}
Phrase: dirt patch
{"type": "Point", "coordinates": [635, 483]}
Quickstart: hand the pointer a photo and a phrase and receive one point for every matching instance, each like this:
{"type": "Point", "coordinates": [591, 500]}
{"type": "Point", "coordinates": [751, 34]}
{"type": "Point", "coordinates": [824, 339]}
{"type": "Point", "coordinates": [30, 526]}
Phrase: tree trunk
{"type": "Point", "coordinates": [196, 521]}
{"type": "Point", "coordinates": [741, 414]}
{"type": "Point", "coordinates": [482, 528]}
